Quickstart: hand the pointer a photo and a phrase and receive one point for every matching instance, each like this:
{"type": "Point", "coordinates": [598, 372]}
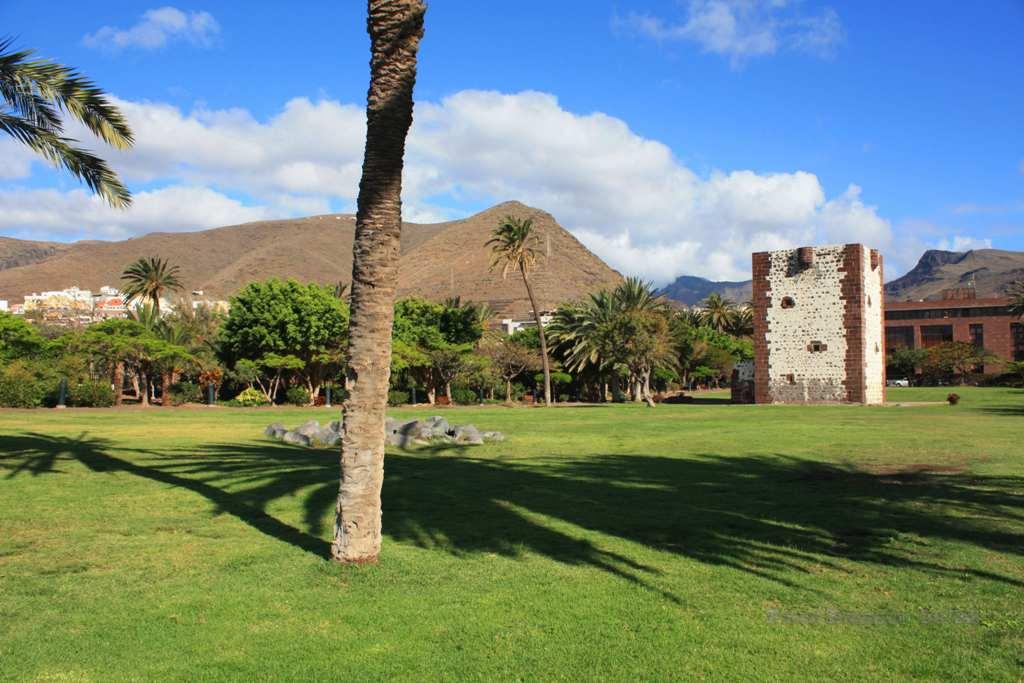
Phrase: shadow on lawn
{"type": "Point", "coordinates": [769, 515]}
{"type": "Point", "coordinates": [1015, 408]}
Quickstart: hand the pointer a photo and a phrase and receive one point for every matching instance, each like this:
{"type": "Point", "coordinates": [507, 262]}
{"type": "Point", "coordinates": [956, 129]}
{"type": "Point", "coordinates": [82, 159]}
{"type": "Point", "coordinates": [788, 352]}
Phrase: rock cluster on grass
{"type": "Point", "coordinates": [434, 429]}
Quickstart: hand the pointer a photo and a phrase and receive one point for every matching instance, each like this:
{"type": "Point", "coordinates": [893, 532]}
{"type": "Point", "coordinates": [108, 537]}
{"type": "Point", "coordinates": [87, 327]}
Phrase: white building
{"type": "Point", "coordinates": [512, 325]}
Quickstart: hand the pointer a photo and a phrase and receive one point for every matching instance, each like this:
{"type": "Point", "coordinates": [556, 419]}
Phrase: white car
{"type": "Point", "coordinates": [898, 383]}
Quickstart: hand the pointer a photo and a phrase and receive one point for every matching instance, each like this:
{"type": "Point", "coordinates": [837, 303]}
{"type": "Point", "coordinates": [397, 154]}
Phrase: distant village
{"type": "Point", "coordinates": [74, 306]}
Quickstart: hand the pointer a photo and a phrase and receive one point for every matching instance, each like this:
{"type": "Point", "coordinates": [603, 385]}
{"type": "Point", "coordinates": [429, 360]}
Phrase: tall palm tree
{"type": "Point", "coordinates": [719, 313]}
{"type": "Point", "coordinates": [513, 245]}
{"type": "Point", "coordinates": [395, 28]}
{"type": "Point", "coordinates": [35, 93]}
{"type": "Point", "coordinates": [149, 278]}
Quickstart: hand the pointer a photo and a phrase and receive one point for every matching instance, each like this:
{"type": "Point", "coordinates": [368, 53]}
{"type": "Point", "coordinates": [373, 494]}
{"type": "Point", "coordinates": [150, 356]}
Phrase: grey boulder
{"type": "Point", "coordinates": [295, 438]}
{"type": "Point", "coordinates": [309, 428]}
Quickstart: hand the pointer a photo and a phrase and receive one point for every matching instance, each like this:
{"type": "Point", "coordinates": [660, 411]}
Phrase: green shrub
{"type": "Point", "coordinates": [563, 398]}
{"type": "Point", "coordinates": [90, 393]}
{"type": "Point", "coordinates": [397, 397]}
{"type": "Point", "coordinates": [186, 392]}
{"type": "Point", "coordinates": [250, 398]}
{"type": "Point", "coordinates": [20, 387]}
{"type": "Point", "coordinates": [297, 395]}
{"type": "Point", "coordinates": [463, 396]}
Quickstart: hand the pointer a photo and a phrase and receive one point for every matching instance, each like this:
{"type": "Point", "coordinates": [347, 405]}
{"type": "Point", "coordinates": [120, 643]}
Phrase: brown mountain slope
{"type": "Point", "coordinates": [437, 261]}
{"type": "Point", "coordinates": [990, 271]}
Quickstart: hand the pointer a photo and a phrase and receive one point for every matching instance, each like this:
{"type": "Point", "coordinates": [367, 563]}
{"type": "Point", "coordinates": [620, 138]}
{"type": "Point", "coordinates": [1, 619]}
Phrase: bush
{"type": "Point", "coordinates": [397, 398]}
{"type": "Point", "coordinates": [251, 398]}
{"type": "Point", "coordinates": [463, 396]}
{"type": "Point", "coordinates": [563, 398]}
{"type": "Point", "coordinates": [90, 393]}
{"type": "Point", "coordinates": [297, 395]}
{"type": "Point", "coordinates": [186, 392]}
{"type": "Point", "coordinates": [518, 390]}
{"type": "Point", "coordinates": [20, 388]}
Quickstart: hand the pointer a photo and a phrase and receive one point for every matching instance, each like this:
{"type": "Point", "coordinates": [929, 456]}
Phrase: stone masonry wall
{"type": "Point", "coordinates": [817, 324]}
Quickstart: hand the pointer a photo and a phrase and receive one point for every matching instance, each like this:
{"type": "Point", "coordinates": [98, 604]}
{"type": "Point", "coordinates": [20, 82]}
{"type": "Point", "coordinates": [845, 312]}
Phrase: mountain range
{"type": "Point", "coordinates": [437, 260]}
{"type": "Point", "coordinates": [989, 271]}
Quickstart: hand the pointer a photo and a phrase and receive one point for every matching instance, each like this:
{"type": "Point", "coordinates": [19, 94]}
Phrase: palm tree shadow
{"type": "Point", "coordinates": [768, 515]}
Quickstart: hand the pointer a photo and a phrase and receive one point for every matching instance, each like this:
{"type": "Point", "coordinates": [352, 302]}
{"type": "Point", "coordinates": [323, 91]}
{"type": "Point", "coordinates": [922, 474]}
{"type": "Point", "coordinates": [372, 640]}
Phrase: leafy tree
{"type": "Point", "coordinates": [149, 278]}
{"type": "Point", "coordinates": [904, 361]}
{"type": "Point", "coordinates": [509, 359]}
{"type": "Point", "coordinates": [395, 27]}
{"type": "Point", "coordinates": [18, 339]}
{"type": "Point", "coordinates": [120, 345]}
{"type": "Point", "coordinates": [514, 247]}
{"type": "Point", "coordinates": [285, 329]}
{"type": "Point", "coordinates": [448, 363]}
{"type": "Point", "coordinates": [956, 359]}
{"type": "Point", "coordinates": [37, 93]}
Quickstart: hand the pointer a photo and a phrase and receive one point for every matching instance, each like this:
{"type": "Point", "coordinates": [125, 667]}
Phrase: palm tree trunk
{"type": "Point", "coordinates": [543, 340]}
{"type": "Point", "coordinates": [143, 388]}
{"type": "Point", "coordinates": [395, 27]}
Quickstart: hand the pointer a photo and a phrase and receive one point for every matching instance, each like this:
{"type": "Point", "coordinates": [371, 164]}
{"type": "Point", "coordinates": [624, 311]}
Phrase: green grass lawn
{"type": "Point", "coordinates": [610, 542]}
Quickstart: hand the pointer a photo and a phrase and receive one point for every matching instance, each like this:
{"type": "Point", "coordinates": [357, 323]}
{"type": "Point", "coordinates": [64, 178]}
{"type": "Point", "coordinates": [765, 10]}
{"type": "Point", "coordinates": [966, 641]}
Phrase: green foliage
{"type": "Point", "coordinates": [90, 394]}
{"type": "Point", "coordinates": [186, 392]}
{"type": "Point", "coordinates": [296, 395]}
{"type": "Point", "coordinates": [955, 360]}
{"type": "Point", "coordinates": [251, 398]}
{"type": "Point", "coordinates": [904, 361]}
{"type": "Point", "coordinates": [397, 397]}
{"type": "Point", "coordinates": [39, 95]}
{"type": "Point", "coordinates": [21, 386]}
{"type": "Point", "coordinates": [148, 279]}
{"type": "Point", "coordinates": [285, 329]}
{"type": "Point", "coordinates": [528, 337]}
{"type": "Point", "coordinates": [18, 338]}
{"type": "Point", "coordinates": [464, 396]}
{"type": "Point", "coordinates": [558, 378]}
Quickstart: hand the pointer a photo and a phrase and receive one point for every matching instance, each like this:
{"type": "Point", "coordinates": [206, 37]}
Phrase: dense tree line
{"type": "Point", "coordinates": [284, 341]}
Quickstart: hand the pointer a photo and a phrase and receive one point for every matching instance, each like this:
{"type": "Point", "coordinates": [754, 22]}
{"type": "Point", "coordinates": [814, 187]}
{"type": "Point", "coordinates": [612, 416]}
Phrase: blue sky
{"type": "Point", "coordinates": [670, 137]}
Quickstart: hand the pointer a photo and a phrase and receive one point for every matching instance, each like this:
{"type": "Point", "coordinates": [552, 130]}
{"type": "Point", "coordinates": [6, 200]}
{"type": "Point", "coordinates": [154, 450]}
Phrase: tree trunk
{"type": "Point", "coordinates": [508, 391]}
{"type": "Point", "coordinates": [543, 339]}
{"type": "Point", "coordinates": [448, 391]}
{"type": "Point", "coordinates": [143, 389]}
{"type": "Point", "coordinates": [395, 28]}
{"type": "Point", "coordinates": [118, 381]}
{"type": "Point", "coordinates": [165, 394]}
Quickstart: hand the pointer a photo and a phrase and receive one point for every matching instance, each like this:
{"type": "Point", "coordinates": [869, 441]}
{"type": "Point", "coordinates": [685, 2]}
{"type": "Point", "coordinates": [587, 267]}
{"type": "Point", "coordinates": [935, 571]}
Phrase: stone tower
{"type": "Point", "coordinates": [818, 325]}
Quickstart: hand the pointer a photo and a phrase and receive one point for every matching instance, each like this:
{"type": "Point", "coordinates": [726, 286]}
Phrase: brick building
{"type": "Point", "coordinates": [818, 326]}
{"type": "Point", "coordinates": [957, 316]}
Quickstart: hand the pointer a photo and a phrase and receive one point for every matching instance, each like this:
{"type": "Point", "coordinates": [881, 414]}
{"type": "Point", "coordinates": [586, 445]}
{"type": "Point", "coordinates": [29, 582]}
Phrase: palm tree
{"type": "Point", "coordinates": [1017, 292]}
{"type": "Point", "coordinates": [37, 93]}
{"type": "Point", "coordinates": [513, 247]}
{"type": "Point", "coordinates": [395, 28]}
{"type": "Point", "coordinates": [718, 313]}
{"type": "Point", "coordinates": [149, 278]}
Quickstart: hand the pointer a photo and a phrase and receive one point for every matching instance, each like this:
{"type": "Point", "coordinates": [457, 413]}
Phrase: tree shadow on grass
{"type": "Point", "coordinates": [1016, 408]}
{"type": "Point", "coordinates": [769, 515]}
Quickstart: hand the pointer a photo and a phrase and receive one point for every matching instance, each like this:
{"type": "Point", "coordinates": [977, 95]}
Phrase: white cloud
{"type": "Point", "coordinates": [52, 214]}
{"type": "Point", "coordinates": [741, 29]}
{"type": "Point", "coordinates": [155, 29]}
{"type": "Point", "coordinates": [962, 243]}
{"type": "Point", "coordinates": [626, 197]}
